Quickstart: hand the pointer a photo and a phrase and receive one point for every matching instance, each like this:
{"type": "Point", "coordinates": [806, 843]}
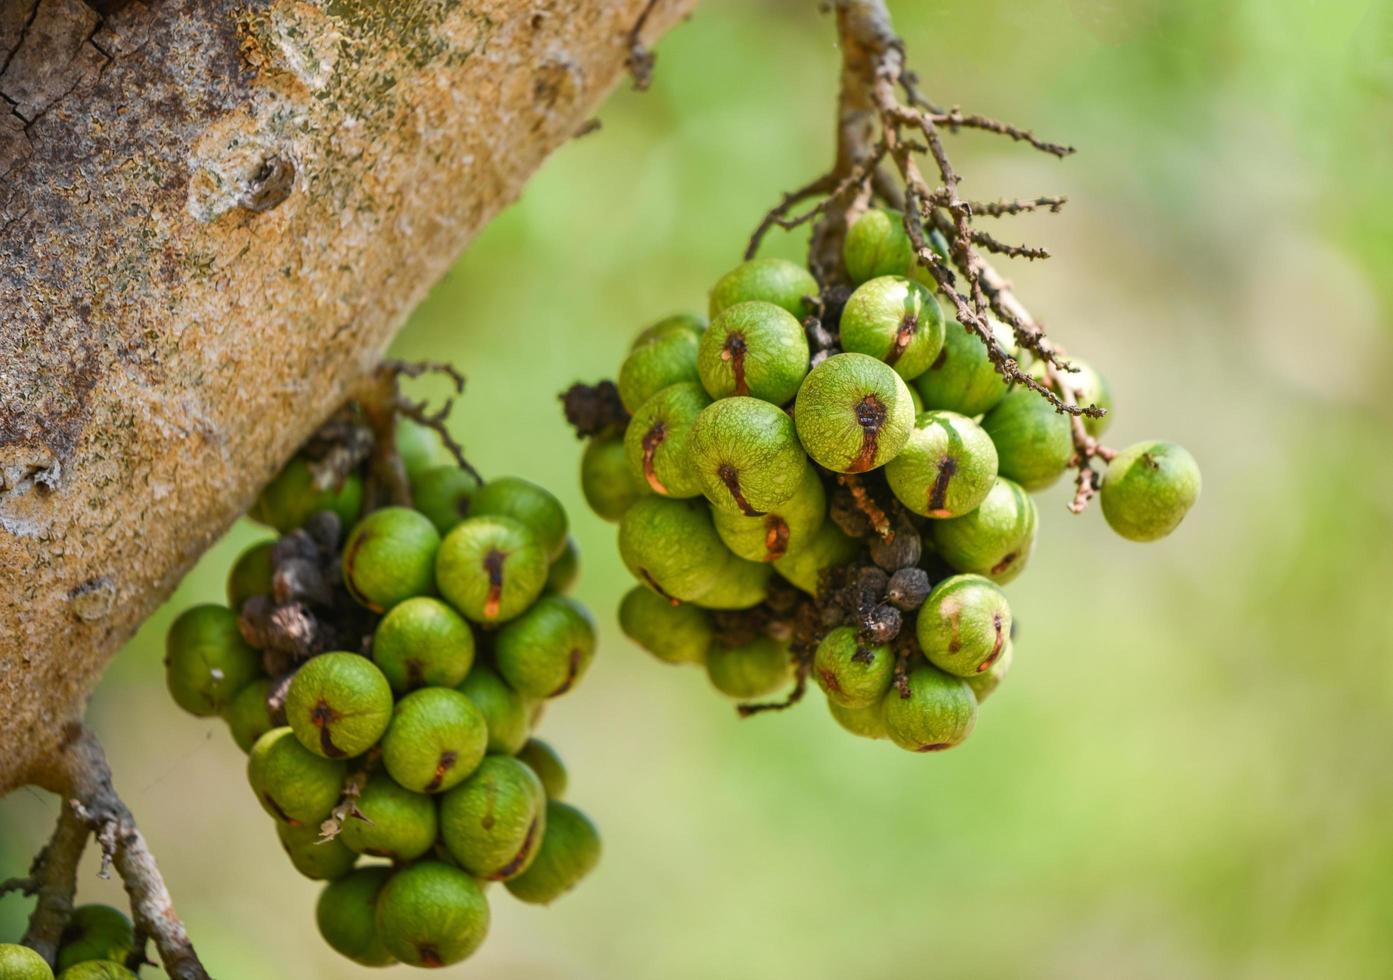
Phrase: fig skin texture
{"type": "Point", "coordinates": [756, 349]}
{"type": "Point", "coordinates": [1148, 489]}
{"type": "Point", "coordinates": [853, 413]}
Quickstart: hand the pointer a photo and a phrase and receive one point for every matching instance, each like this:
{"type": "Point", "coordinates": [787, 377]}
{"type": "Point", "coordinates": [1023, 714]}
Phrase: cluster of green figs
{"type": "Point", "coordinates": [740, 431]}
{"type": "Point", "coordinates": [97, 943]}
{"type": "Point", "coordinates": [403, 773]}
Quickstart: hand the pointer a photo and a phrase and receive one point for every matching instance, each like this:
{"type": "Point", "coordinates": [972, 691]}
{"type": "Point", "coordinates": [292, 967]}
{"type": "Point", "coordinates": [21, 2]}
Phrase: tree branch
{"type": "Point", "coordinates": [53, 879]}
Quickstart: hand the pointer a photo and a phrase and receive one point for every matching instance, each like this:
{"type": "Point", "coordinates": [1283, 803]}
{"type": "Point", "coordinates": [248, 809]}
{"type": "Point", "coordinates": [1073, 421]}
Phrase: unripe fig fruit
{"type": "Point", "coordinates": [656, 441]}
{"type": "Point", "coordinates": [985, 684]}
{"type": "Point", "coordinates": [248, 717]}
{"type": "Point", "coordinates": [316, 857]}
{"type": "Point", "coordinates": [565, 569]}
{"type": "Point", "coordinates": [851, 673]}
{"type": "Point", "coordinates": [97, 970]}
{"type": "Point", "coordinates": [95, 932]}
{"type": "Point", "coordinates": [753, 670]}
{"type": "Point", "coordinates": [570, 850]}
{"type": "Point", "coordinates": [493, 822]}
{"type": "Point", "coordinates": [1148, 489]}
{"type": "Point", "coordinates": [292, 496]}
{"type": "Point", "coordinates": [1033, 441]}
{"type": "Point", "coordinates": [347, 916]}
{"type": "Point", "coordinates": [665, 359]}
{"type": "Point", "coordinates": [867, 722]}
{"type": "Point", "coordinates": [746, 455]}
{"type": "Point", "coordinates": [947, 467]}
{"type": "Point", "coordinates": [436, 739]}
{"type": "Point", "coordinates": [432, 915]}
{"type": "Point", "coordinates": [853, 413]}
{"type": "Point", "coordinates": [541, 758]}
{"type": "Point", "coordinates": [740, 585]}
{"type": "Point", "coordinates": [677, 323]}
{"type": "Point", "coordinates": [293, 784]}
{"type": "Point", "coordinates": [771, 536]}
{"type": "Point", "coordinates": [534, 507]}
{"type": "Point", "coordinates": [964, 625]}
{"type": "Point", "coordinates": [776, 281]}
{"type": "Point", "coordinates": [605, 478]}
{"type": "Point", "coordinates": [420, 448]}
{"type": "Point", "coordinates": [445, 494]}
{"type": "Point", "coordinates": [754, 348]}
{"type": "Point", "coordinates": [672, 547]}
{"type": "Point", "coordinates": [677, 634]}
{"type": "Point", "coordinates": [994, 540]}
{"type": "Point", "coordinates": [250, 574]}
{"type": "Point", "coordinates": [828, 548]}
{"type": "Point", "coordinates": [962, 377]}
{"type": "Point", "coordinates": [1089, 388]}
{"type": "Point", "coordinates": [938, 714]}
{"type": "Point", "coordinates": [547, 650]}
{"type": "Point", "coordinates": [420, 642]}
{"type": "Point", "coordinates": [491, 568]}
{"type": "Point", "coordinates": [505, 711]}
{"type": "Point", "coordinates": [389, 556]}
{"type": "Point", "coordinates": [338, 705]}
{"type": "Point", "coordinates": [22, 963]}
{"type": "Point", "coordinates": [877, 245]}
{"type": "Point", "coordinates": [396, 823]}
{"type": "Point", "coordinates": [895, 320]}
{"type": "Point", "coordinates": [206, 660]}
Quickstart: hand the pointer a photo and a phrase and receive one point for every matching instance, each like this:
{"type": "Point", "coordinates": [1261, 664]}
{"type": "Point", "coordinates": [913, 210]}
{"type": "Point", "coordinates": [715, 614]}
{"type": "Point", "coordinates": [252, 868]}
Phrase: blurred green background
{"type": "Point", "coordinates": [1186, 774]}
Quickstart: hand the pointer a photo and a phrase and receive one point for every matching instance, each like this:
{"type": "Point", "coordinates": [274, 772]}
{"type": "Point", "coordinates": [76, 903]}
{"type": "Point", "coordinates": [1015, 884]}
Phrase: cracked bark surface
{"type": "Point", "coordinates": [214, 215]}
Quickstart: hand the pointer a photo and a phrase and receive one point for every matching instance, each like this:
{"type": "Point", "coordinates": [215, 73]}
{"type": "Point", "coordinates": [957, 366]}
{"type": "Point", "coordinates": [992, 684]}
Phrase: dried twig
{"type": "Point", "coordinates": [52, 879]}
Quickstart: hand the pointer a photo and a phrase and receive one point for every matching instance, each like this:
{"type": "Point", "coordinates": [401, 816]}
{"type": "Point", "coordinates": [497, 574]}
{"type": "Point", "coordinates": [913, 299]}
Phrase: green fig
{"type": "Point", "coordinates": [656, 442]}
{"type": "Point", "coordinates": [771, 536]}
{"type": "Point", "coordinates": [962, 377]}
{"type": "Point", "coordinates": [776, 281]}
{"type": "Point", "coordinates": [97, 970]}
{"type": "Point", "coordinates": [740, 585]}
{"type": "Point", "coordinates": [95, 932]}
{"type": "Point", "coordinates": [1148, 489]}
{"type": "Point", "coordinates": [964, 625]}
{"type": "Point", "coordinates": [565, 569]}
{"type": "Point", "coordinates": [753, 348]}
{"type": "Point", "coordinates": [505, 711]}
{"type": "Point", "coordinates": [1089, 388]}
{"type": "Point", "coordinates": [752, 670]}
{"type": "Point", "coordinates": [420, 642]}
{"type": "Point", "coordinates": [677, 323]}
{"type": "Point", "coordinates": [249, 717]}
{"type": "Point", "coordinates": [22, 963]}
{"type": "Point", "coordinates": [877, 245]}
{"type": "Point", "coordinates": [547, 650]}
{"type": "Point", "coordinates": [672, 547]}
{"type": "Point", "coordinates": [390, 821]}
{"type": "Point", "coordinates": [665, 359]}
{"type": "Point", "coordinates": [605, 478]}
{"type": "Point", "coordinates": [292, 783]}
{"type": "Point", "coordinates": [491, 568]}
{"type": "Point", "coordinates": [432, 915]}
{"type": "Point", "coordinates": [347, 916]}
{"type": "Point", "coordinates": [677, 634]}
{"type": "Point", "coordinates": [314, 856]}
{"type": "Point", "coordinates": [938, 714]}
{"type": "Point", "coordinates": [895, 320]}
{"type": "Point", "coordinates": [206, 660]}
{"type": "Point", "coordinates": [420, 448]}
{"type": "Point", "coordinates": [994, 540]}
{"type": "Point", "coordinates": [1033, 442]}
{"type": "Point", "coordinates": [534, 507]}
{"type": "Point", "coordinates": [867, 722]}
{"type": "Point", "coordinates": [851, 673]}
{"type": "Point", "coordinates": [338, 705]}
{"type": "Point", "coordinates": [570, 850]}
{"type": "Point", "coordinates": [436, 739]}
{"type": "Point", "coordinates": [293, 496]}
{"type": "Point", "coordinates": [493, 822]}
{"type": "Point", "coordinates": [250, 574]}
{"type": "Point", "coordinates": [746, 455]}
{"type": "Point", "coordinates": [445, 494]}
{"type": "Point", "coordinates": [947, 467]}
{"type": "Point", "coordinates": [828, 548]}
{"type": "Point", "coordinates": [389, 557]}
{"type": "Point", "coordinates": [985, 684]}
{"type": "Point", "coordinates": [853, 413]}
{"type": "Point", "coordinates": [541, 758]}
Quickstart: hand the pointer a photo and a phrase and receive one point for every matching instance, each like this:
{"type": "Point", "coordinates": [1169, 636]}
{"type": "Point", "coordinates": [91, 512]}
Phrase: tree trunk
{"type": "Point", "coordinates": [214, 215]}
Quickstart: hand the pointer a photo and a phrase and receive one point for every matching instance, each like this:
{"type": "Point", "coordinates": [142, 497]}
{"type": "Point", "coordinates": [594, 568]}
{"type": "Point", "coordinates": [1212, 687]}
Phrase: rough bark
{"type": "Point", "coordinates": [214, 215]}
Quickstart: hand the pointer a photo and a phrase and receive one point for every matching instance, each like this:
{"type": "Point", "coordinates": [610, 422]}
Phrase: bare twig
{"type": "Point", "coordinates": [53, 879]}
